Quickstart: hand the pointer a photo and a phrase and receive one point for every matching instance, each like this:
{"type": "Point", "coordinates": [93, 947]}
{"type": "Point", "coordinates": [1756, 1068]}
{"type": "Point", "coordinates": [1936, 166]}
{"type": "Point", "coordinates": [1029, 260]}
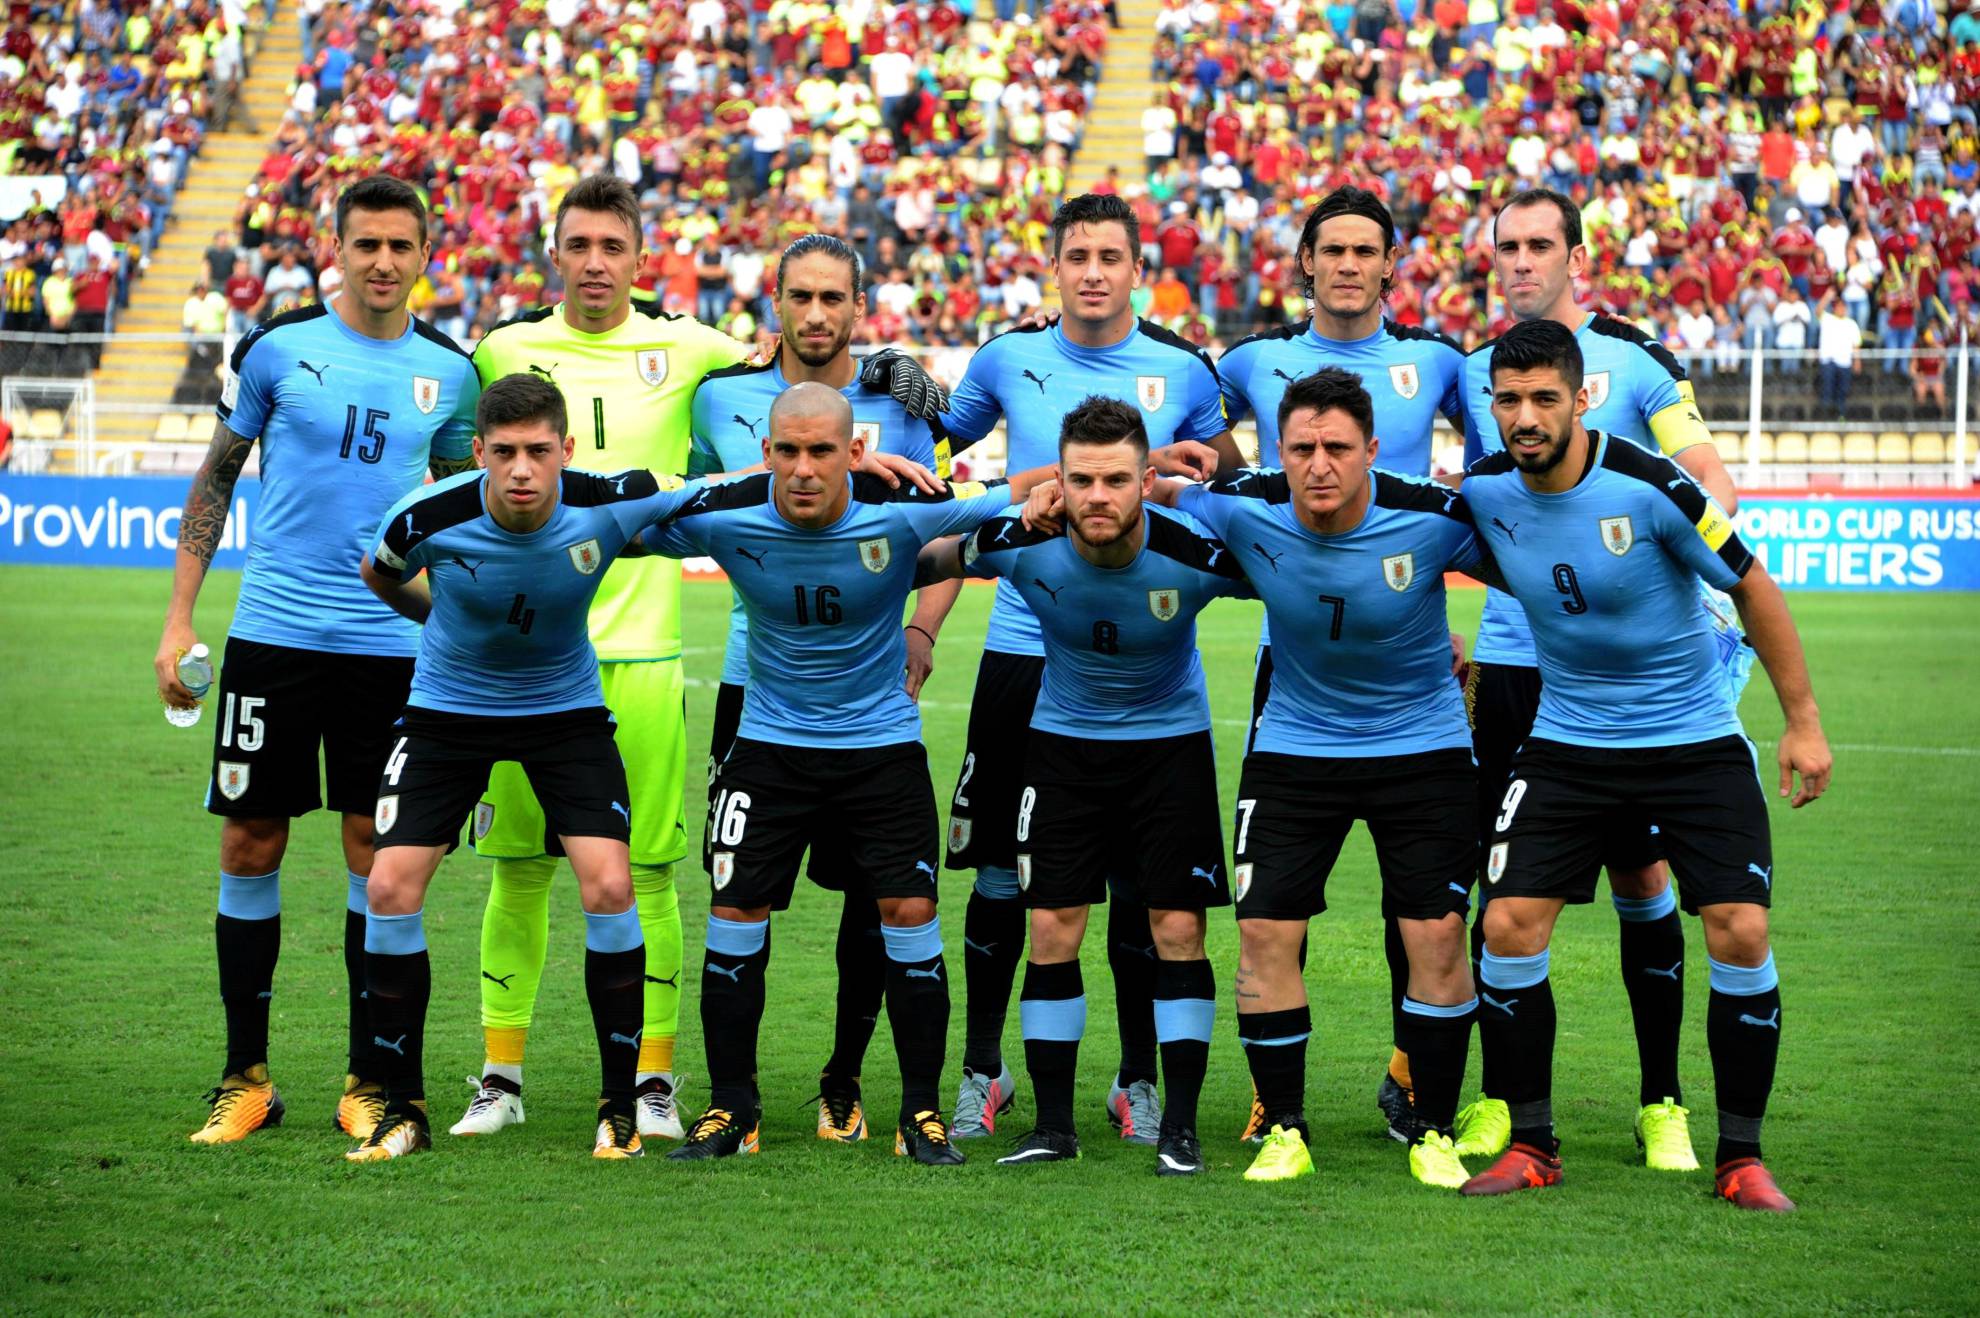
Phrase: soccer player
{"type": "Point", "coordinates": [353, 402]}
{"type": "Point", "coordinates": [819, 304]}
{"type": "Point", "coordinates": [1347, 266]}
{"type": "Point", "coordinates": [513, 556]}
{"type": "Point", "coordinates": [1604, 543]}
{"type": "Point", "coordinates": [1636, 392]}
{"type": "Point", "coordinates": [1120, 777]}
{"type": "Point", "coordinates": [629, 370]}
{"type": "Point", "coordinates": [1362, 721]}
{"type": "Point", "coordinates": [822, 561]}
{"type": "Point", "coordinates": [1031, 378]}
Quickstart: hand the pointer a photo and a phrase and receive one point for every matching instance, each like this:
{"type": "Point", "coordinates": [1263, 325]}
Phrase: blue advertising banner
{"type": "Point", "coordinates": [1872, 542]}
{"type": "Point", "coordinates": [109, 521]}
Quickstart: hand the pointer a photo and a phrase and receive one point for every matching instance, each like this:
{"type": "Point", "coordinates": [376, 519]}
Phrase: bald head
{"type": "Point", "coordinates": [817, 408]}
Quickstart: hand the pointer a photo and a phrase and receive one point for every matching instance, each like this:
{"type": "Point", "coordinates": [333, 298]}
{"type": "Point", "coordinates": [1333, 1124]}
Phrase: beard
{"type": "Point", "coordinates": [1548, 458]}
{"type": "Point", "coordinates": [1107, 533]}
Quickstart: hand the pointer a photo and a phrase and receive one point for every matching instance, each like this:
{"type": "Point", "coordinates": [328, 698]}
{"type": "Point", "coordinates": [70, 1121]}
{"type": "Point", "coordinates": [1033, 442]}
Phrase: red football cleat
{"type": "Point", "coordinates": [1522, 1167]}
{"type": "Point", "coordinates": [1745, 1183]}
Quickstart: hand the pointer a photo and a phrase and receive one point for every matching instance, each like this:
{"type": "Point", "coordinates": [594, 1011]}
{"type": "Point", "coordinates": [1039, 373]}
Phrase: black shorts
{"type": "Point", "coordinates": [275, 705]}
{"type": "Point", "coordinates": [1294, 812]}
{"type": "Point", "coordinates": [1504, 700]}
{"type": "Point", "coordinates": [875, 804]}
{"type": "Point", "coordinates": [827, 866]}
{"type": "Point", "coordinates": [983, 813]}
{"type": "Point", "coordinates": [1144, 812]}
{"type": "Point", "coordinates": [437, 767]}
{"type": "Point", "coordinates": [1704, 798]}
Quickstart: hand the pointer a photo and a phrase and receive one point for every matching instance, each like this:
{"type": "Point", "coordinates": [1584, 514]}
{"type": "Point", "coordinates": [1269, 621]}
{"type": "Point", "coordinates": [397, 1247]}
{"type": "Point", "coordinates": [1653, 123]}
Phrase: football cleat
{"type": "Point", "coordinates": [1398, 1104]}
{"type": "Point", "coordinates": [1745, 1183]}
{"type": "Point", "coordinates": [491, 1108]}
{"type": "Point", "coordinates": [925, 1138]}
{"type": "Point", "coordinates": [397, 1133]}
{"type": "Point", "coordinates": [717, 1133]}
{"type": "Point", "coordinates": [1284, 1156]}
{"type": "Point", "coordinates": [1136, 1112]}
{"type": "Point", "coordinates": [1433, 1160]}
{"type": "Point", "coordinates": [1484, 1128]}
{"type": "Point", "coordinates": [361, 1107]}
{"type": "Point", "coordinates": [1254, 1128]}
{"type": "Point", "coordinates": [841, 1117]}
{"type": "Point", "coordinates": [658, 1108]}
{"type": "Point", "coordinates": [1521, 1167]}
{"type": "Point", "coordinates": [618, 1136]}
{"type": "Point", "coordinates": [1177, 1152]}
{"type": "Point", "coordinates": [1663, 1132]}
{"type": "Point", "coordinates": [980, 1101]}
{"type": "Point", "coordinates": [242, 1104]}
{"type": "Point", "coordinates": [1043, 1145]}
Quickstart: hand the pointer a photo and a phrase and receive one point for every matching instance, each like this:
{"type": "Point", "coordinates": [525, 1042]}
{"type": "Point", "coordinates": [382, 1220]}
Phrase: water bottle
{"type": "Point", "coordinates": [196, 676]}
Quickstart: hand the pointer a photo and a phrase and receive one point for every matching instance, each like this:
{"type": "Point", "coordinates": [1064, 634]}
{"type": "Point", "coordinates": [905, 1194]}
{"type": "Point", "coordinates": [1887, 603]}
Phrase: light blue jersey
{"type": "Point", "coordinates": [1120, 643]}
{"type": "Point", "coordinates": [1411, 374]}
{"type": "Point", "coordinates": [1362, 661]}
{"type": "Point", "coordinates": [1630, 379]}
{"type": "Point", "coordinates": [1032, 378]}
{"type": "Point", "coordinates": [826, 653]}
{"type": "Point", "coordinates": [508, 632]}
{"type": "Point", "coordinates": [731, 419]}
{"type": "Point", "coordinates": [1608, 573]}
{"type": "Point", "coordinates": [347, 425]}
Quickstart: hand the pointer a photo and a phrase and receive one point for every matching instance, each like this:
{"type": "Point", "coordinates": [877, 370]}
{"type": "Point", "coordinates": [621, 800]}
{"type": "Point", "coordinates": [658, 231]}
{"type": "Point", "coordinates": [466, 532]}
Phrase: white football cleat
{"type": "Point", "coordinates": [491, 1109]}
{"type": "Point", "coordinates": [659, 1114]}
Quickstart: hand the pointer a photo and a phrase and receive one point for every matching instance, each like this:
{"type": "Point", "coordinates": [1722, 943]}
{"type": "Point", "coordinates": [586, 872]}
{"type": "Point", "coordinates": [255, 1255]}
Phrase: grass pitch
{"type": "Point", "coordinates": [112, 1030]}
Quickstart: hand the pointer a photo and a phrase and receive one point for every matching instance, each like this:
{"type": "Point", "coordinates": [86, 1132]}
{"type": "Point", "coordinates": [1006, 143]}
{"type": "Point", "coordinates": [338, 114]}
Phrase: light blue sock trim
{"type": "Point", "coordinates": [251, 897]}
{"type": "Point", "coordinates": [912, 946]}
{"type": "Point", "coordinates": [1643, 910]}
{"type": "Point", "coordinates": [354, 895]}
{"type": "Point", "coordinates": [1744, 981]}
{"type": "Point", "coordinates": [1274, 1043]}
{"type": "Point", "coordinates": [1184, 1018]}
{"type": "Point", "coordinates": [613, 933]}
{"type": "Point", "coordinates": [997, 883]}
{"type": "Point", "coordinates": [737, 937]}
{"type": "Point", "coordinates": [1411, 1007]}
{"type": "Point", "coordinates": [395, 935]}
{"type": "Point", "coordinates": [1053, 1020]}
{"type": "Point", "coordinates": [1514, 972]}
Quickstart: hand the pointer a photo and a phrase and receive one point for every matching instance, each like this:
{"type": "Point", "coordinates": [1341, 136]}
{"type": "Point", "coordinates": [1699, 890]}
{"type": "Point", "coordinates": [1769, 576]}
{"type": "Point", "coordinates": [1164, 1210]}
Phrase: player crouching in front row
{"type": "Point", "coordinates": [513, 555]}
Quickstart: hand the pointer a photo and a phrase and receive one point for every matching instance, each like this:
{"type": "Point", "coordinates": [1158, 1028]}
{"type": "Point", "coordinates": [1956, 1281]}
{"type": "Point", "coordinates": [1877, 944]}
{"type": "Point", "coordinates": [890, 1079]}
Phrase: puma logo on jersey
{"type": "Point", "coordinates": [463, 565]}
{"type": "Point", "coordinates": [1773, 1022]}
{"type": "Point", "coordinates": [544, 371]}
{"type": "Point", "coordinates": [732, 973]}
{"type": "Point", "coordinates": [754, 558]}
{"type": "Point", "coordinates": [747, 424]}
{"type": "Point", "coordinates": [1509, 530]}
{"type": "Point", "coordinates": [1283, 376]}
{"type": "Point", "coordinates": [1271, 559]}
{"type": "Point", "coordinates": [1209, 876]}
{"type": "Point", "coordinates": [1040, 382]}
{"type": "Point", "coordinates": [316, 371]}
{"type": "Point", "coordinates": [622, 813]}
{"type": "Point", "coordinates": [399, 1046]}
{"type": "Point", "coordinates": [1216, 552]}
{"type": "Point", "coordinates": [1766, 875]}
{"type": "Point", "coordinates": [411, 532]}
{"type": "Point", "coordinates": [933, 972]}
{"type": "Point", "coordinates": [1047, 589]}
{"type": "Point", "coordinates": [673, 983]}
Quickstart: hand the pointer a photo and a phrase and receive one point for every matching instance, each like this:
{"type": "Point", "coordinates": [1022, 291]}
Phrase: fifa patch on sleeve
{"type": "Point", "coordinates": [967, 489]}
{"type": "Point", "coordinates": [230, 392]}
{"type": "Point", "coordinates": [1714, 527]}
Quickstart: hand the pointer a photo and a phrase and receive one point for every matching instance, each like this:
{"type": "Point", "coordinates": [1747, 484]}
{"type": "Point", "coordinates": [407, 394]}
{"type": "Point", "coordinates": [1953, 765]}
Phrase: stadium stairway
{"type": "Point", "coordinates": [137, 377]}
{"type": "Point", "coordinates": [1113, 124]}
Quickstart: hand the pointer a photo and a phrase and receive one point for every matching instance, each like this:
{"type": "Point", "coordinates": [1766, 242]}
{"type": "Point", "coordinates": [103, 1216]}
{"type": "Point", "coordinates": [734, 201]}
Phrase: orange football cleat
{"type": "Point", "coordinates": [242, 1104]}
{"type": "Point", "coordinates": [1521, 1167]}
{"type": "Point", "coordinates": [1745, 1183]}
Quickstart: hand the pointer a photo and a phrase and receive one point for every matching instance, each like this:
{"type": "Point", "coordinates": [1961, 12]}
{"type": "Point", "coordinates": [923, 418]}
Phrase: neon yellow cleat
{"type": "Point", "coordinates": [1484, 1128]}
{"type": "Point", "coordinates": [1663, 1132]}
{"type": "Point", "coordinates": [1433, 1160]}
{"type": "Point", "coordinates": [1283, 1157]}
{"type": "Point", "coordinates": [242, 1105]}
{"type": "Point", "coordinates": [361, 1107]}
{"type": "Point", "coordinates": [396, 1135]}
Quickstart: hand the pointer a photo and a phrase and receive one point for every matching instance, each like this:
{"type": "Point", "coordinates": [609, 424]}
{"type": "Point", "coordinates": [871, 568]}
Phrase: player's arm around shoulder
{"type": "Point", "coordinates": [393, 569]}
{"type": "Point", "coordinates": [984, 551]}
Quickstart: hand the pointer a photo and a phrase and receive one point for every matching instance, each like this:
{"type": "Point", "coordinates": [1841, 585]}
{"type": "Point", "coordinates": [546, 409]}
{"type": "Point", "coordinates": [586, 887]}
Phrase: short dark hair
{"type": "Point", "coordinates": [1096, 208]}
{"type": "Point", "coordinates": [1329, 389]}
{"type": "Point", "coordinates": [1533, 344]}
{"type": "Point", "coordinates": [1099, 420]}
{"type": "Point", "coordinates": [1570, 213]}
{"type": "Point", "coordinates": [381, 192]}
{"type": "Point", "coordinates": [601, 192]}
{"type": "Point", "coordinates": [1348, 200]}
{"type": "Point", "coordinates": [822, 244]}
{"type": "Point", "coordinates": [519, 399]}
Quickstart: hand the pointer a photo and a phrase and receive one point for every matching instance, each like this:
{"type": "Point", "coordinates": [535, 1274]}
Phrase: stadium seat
{"type": "Point", "coordinates": [1859, 446]}
{"type": "Point", "coordinates": [1762, 449]}
{"type": "Point", "coordinates": [1928, 446]}
{"type": "Point", "coordinates": [44, 423]}
{"type": "Point", "coordinates": [1791, 446]}
{"type": "Point", "coordinates": [1730, 445]}
{"type": "Point", "coordinates": [1825, 446]}
{"type": "Point", "coordinates": [171, 428]}
{"type": "Point", "coordinates": [199, 428]}
{"type": "Point", "coordinates": [1893, 446]}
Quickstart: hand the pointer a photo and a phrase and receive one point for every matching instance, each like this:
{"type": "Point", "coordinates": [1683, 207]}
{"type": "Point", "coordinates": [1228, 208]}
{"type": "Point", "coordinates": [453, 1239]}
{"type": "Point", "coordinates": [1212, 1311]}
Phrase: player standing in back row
{"type": "Point", "coordinates": [353, 401]}
{"type": "Point", "coordinates": [1032, 378]}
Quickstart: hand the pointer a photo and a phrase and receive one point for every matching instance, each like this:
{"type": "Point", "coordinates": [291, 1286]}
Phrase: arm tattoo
{"type": "Point", "coordinates": [442, 468]}
{"type": "Point", "coordinates": [205, 515]}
